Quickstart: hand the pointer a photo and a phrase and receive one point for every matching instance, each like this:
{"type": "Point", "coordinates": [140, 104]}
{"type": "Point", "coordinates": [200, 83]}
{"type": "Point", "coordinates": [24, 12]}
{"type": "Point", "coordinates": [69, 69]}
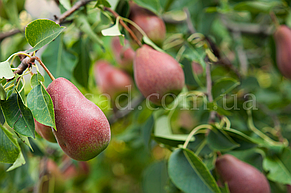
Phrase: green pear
{"type": "Point", "coordinates": [44, 131]}
{"type": "Point", "coordinates": [158, 76]}
{"type": "Point", "coordinates": [83, 130]}
{"type": "Point", "coordinates": [282, 37]}
{"type": "Point", "coordinates": [240, 176]}
{"type": "Point", "coordinates": [123, 54]}
{"type": "Point", "coordinates": [111, 80]}
{"type": "Point", "coordinates": [149, 22]}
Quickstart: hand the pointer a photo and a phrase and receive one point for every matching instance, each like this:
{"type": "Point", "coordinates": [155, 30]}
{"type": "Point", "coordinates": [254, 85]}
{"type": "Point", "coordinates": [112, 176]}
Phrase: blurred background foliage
{"type": "Point", "coordinates": [136, 159]}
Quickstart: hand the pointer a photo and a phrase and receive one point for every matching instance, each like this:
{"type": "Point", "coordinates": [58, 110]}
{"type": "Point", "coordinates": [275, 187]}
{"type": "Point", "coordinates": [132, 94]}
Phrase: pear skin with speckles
{"type": "Point", "coordinates": [282, 37]}
{"type": "Point", "coordinates": [158, 76]}
{"type": "Point", "coordinates": [240, 176]}
{"type": "Point", "coordinates": [83, 130]}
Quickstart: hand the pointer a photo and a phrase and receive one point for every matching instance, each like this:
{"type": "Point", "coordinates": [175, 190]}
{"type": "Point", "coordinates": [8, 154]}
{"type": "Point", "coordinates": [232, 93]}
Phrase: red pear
{"type": "Point", "coordinates": [158, 76]}
{"type": "Point", "coordinates": [282, 38]}
{"type": "Point", "coordinates": [197, 68]}
{"type": "Point", "coordinates": [83, 130]}
{"type": "Point", "coordinates": [123, 54]}
{"type": "Point", "coordinates": [240, 176]}
{"type": "Point", "coordinates": [111, 80]}
{"type": "Point", "coordinates": [149, 22]}
{"type": "Point", "coordinates": [45, 131]}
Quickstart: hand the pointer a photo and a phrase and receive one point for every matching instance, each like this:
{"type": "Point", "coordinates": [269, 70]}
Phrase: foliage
{"type": "Point", "coordinates": [153, 149]}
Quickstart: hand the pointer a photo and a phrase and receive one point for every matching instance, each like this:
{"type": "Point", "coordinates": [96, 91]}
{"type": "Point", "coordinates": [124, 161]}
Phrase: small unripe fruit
{"type": "Point", "coordinates": [150, 23]}
{"type": "Point", "coordinates": [123, 54]}
{"type": "Point", "coordinates": [282, 38]}
{"type": "Point", "coordinates": [158, 76]}
{"type": "Point", "coordinates": [240, 176]}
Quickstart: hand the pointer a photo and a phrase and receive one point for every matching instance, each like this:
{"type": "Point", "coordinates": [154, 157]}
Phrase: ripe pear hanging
{"type": "Point", "coordinates": [149, 22]}
{"type": "Point", "coordinates": [83, 130]}
{"type": "Point", "coordinates": [111, 80]}
{"type": "Point", "coordinates": [240, 176]}
{"type": "Point", "coordinates": [282, 38]}
{"type": "Point", "coordinates": [123, 54]}
{"type": "Point", "coordinates": [158, 76]}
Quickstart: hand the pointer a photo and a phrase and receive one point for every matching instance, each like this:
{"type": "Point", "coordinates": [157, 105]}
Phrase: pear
{"type": "Point", "coordinates": [282, 37]}
{"type": "Point", "coordinates": [123, 54]}
{"type": "Point", "coordinates": [83, 130]}
{"type": "Point", "coordinates": [44, 131]}
{"type": "Point", "coordinates": [111, 80]}
{"type": "Point", "coordinates": [197, 68]}
{"type": "Point", "coordinates": [149, 22]}
{"type": "Point", "coordinates": [158, 76]}
{"type": "Point", "coordinates": [240, 176]}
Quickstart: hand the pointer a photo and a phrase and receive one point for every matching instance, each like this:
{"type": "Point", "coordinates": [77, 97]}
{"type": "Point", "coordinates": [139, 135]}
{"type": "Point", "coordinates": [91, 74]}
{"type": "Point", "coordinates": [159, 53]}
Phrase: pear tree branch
{"type": "Point", "coordinates": [124, 25]}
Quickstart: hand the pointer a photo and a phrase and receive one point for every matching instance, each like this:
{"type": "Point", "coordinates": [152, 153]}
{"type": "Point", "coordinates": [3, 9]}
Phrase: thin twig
{"type": "Point", "coordinates": [44, 67]}
{"type": "Point", "coordinates": [124, 25]}
{"type": "Point", "coordinates": [188, 21]}
{"type": "Point", "coordinates": [209, 90]}
{"type": "Point", "coordinates": [72, 10]}
{"type": "Point", "coordinates": [125, 111]}
{"type": "Point", "coordinates": [243, 60]}
{"type": "Point", "coordinates": [9, 33]}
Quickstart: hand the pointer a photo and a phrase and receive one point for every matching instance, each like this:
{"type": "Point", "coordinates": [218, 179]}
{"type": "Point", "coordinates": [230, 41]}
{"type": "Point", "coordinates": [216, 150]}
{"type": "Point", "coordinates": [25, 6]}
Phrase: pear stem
{"type": "Point", "coordinates": [116, 15]}
{"type": "Point", "coordinates": [44, 67]}
{"type": "Point", "coordinates": [274, 19]}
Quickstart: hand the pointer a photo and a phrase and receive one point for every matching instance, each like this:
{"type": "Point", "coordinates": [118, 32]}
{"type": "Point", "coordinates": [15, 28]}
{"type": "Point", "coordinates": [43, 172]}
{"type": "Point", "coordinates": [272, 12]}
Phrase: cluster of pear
{"type": "Point", "coordinates": [157, 75]}
{"type": "Point", "coordinates": [241, 177]}
{"type": "Point", "coordinates": [54, 177]}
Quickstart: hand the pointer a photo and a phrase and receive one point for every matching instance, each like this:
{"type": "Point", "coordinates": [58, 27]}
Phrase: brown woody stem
{"type": "Point", "coordinates": [124, 25]}
{"type": "Point", "coordinates": [44, 67]}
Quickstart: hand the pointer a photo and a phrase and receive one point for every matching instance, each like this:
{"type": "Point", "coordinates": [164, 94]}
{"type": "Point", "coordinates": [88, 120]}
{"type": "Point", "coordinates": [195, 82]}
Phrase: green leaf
{"type": "Point", "coordinates": [2, 119]}
{"type": "Point", "coordinates": [40, 32]}
{"type": "Point", "coordinates": [219, 140]}
{"type": "Point", "coordinates": [146, 131]}
{"type": "Point", "coordinates": [223, 86]}
{"type": "Point", "coordinates": [2, 93]}
{"type": "Point", "coordinates": [66, 4]}
{"type": "Point", "coordinates": [25, 140]}
{"type": "Point", "coordinates": [81, 71]}
{"type": "Point", "coordinates": [59, 60]}
{"type": "Point", "coordinates": [11, 10]}
{"type": "Point", "coordinates": [18, 116]}
{"type": "Point", "coordinates": [163, 133]}
{"type": "Point", "coordinates": [35, 79]}
{"type": "Point", "coordinates": [122, 8]}
{"type": "Point", "coordinates": [83, 24]}
{"type": "Point", "coordinates": [9, 147]}
{"type": "Point", "coordinates": [41, 105]}
{"type": "Point", "coordinates": [112, 31]}
{"type": "Point", "coordinates": [243, 140]}
{"type": "Point", "coordinates": [5, 70]}
{"type": "Point", "coordinates": [19, 162]}
{"type": "Point", "coordinates": [155, 178]}
{"type": "Point", "coordinates": [190, 174]}
{"type": "Point", "coordinates": [151, 43]}
{"type": "Point", "coordinates": [101, 3]}
{"type": "Point", "coordinates": [256, 6]}
{"type": "Point", "coordinates": [279, 167]}
{"type": "Point", "coordinates": [152, 5]}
